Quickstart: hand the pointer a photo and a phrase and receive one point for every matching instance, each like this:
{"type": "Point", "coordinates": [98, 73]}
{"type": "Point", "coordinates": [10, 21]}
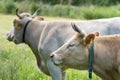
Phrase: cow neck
{"type": "Point", "coordinates": [91, 59]}
{"type": "Point", "coordinates": [24, 30]}
{"type": "Point", "coordinates": [33, 33]}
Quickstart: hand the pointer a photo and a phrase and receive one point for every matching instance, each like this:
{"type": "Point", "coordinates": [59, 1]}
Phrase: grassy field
{"type": "Point", "coordinates": [17, 62]}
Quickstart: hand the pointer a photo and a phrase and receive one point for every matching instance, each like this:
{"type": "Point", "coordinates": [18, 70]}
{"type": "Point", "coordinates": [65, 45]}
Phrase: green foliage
{"type": "Point", "coordinates": [81, 12]}
{"type": "Point", "coordinates": [1, 6]}
{"type": "Point", "coordinates": [60, 10]}
{"type": "Point", "coordinates": [101, 2]}
{"type": "Point", "coordinates": [99, 12]}
{"type": "Point", "coordinates": [52, 2]}
{"type": "Point", "coordinates": [105, 2]}
{"type": "Point", "coordinates": [9, 7]}
{"type": "Point", "coordinates": [23, 6]}
{"type": "Point", "coordinates": [88, 12]}
{"type": "Point", "coordinates": [74, 2]}
{"type": "Point", "coordinates": [34, 7]}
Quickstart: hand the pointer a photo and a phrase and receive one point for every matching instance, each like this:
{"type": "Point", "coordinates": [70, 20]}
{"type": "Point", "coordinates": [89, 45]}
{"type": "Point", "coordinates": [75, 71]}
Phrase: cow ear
{"type": "Point", "coordinates": [96, 34]}
{"type": "Point", "coordinates": [75, 28]}
{"type": "Point", "coordinates": [40, 18]}
{"type": "Point", "coordinates": [89, 38]}
{"type": "Point", "coordinates": [16, 23]}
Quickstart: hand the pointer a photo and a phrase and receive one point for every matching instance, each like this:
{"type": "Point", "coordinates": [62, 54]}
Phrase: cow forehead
{"type": "Point", "coordinates": [25, 14]}
{"type": "Point", "coordinates": [74, 39]}
{"type": "Point", "coordinates": [77, 36]}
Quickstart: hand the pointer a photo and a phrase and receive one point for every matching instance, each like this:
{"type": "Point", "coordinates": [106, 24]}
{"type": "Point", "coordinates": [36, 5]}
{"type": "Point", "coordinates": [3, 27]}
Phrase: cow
{"type": "Point", "coordinates": [44, 37]}
{"type": "Point", "coordinates": [76, 51]}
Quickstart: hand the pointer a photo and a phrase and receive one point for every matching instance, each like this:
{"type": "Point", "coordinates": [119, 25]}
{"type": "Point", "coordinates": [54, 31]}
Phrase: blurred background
{"type": "Point", "coordinates": [17, 62]}
{"type": "Point", "coordinates": [78, 9]}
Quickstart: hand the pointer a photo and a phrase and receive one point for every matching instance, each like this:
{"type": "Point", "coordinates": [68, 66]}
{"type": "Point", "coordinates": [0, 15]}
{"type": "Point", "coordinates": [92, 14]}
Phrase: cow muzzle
{"type": "Point", "coordinates": [56, 59]}
{"type": "Point", "coordinates": [9, 36]}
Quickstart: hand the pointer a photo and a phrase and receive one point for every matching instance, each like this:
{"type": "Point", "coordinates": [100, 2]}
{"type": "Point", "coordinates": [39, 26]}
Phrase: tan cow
{"type": "Point", "coordinates": [75, 52]}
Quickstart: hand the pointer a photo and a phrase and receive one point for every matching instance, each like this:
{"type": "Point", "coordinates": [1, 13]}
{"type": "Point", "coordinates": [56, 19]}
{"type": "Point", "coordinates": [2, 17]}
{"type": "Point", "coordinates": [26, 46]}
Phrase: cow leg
{"type": "Point", "coordinates": [55, 72]}
{"type": "Point", "coordinates": [119, 69]}
{"type": "Point", "coordinates": [64, 75]}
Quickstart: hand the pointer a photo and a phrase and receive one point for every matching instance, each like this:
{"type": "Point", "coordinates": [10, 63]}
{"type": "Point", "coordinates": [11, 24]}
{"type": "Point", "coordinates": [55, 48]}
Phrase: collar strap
{"type": "Point", "coordinates": [91, 59]}
{"type": "Point", "coordinates": [25, 30]}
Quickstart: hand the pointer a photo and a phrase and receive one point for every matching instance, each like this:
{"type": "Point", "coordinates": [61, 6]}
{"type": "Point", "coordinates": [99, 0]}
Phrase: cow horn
{"type": "Point", "coordinates": [17, 13]}
{"type": "Point", "coordinates": [76, 29]}
{"type": "Point", "coordinates": [35, 13]}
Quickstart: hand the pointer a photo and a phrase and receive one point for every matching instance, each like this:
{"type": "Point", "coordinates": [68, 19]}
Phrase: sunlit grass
{"type": "Point", "coordinates": [17, 62]}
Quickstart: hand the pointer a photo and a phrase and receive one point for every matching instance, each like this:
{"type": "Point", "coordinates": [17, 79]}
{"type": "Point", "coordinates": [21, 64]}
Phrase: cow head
{"type": "Point", "coordinates": [74, 53]}
{"type": "Point", "coordinates": [16, 32]}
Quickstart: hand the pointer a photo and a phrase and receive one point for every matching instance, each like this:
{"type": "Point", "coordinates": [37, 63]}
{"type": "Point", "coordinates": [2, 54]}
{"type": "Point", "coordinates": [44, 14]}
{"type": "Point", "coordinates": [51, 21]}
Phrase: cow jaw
{"type": "Point", "coordinates": [57, 60]}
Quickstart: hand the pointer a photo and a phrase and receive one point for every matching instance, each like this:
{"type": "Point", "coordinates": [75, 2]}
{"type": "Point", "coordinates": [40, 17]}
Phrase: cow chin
{"type": "Point", "coordinates": [9, 39]}
{"type": "Point", "coordinates": [15, 41]}
{"type": "Point", "coordinates": [57, 60]}
{"type": "Point", "coordinates": [57, 63]}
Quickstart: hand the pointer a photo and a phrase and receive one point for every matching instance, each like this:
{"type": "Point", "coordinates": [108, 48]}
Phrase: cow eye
{"type": "Point", "coordinates": [71, 45]}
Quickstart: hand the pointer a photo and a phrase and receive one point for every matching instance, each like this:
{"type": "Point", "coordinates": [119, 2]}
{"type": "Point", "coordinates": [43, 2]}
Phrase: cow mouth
{"type": "Point", "coordinates": [15, 41]}
{"type": "Point", "coordinates": [57, 61]}
{"type": "Point", "coordinates": [9, 37]}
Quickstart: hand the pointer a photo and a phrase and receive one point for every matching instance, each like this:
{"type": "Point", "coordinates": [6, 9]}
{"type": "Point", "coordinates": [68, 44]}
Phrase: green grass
{"type": "Point", "coordinates": [17, 62]}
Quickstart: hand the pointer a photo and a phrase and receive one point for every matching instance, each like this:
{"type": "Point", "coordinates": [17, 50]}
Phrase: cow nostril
{"type": "Point", "coordinates": [52, 55]}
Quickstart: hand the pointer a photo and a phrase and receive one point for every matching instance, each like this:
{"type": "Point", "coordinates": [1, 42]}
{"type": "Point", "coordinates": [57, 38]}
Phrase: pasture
{"type": "Point", "coordinates": [17, 62]}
